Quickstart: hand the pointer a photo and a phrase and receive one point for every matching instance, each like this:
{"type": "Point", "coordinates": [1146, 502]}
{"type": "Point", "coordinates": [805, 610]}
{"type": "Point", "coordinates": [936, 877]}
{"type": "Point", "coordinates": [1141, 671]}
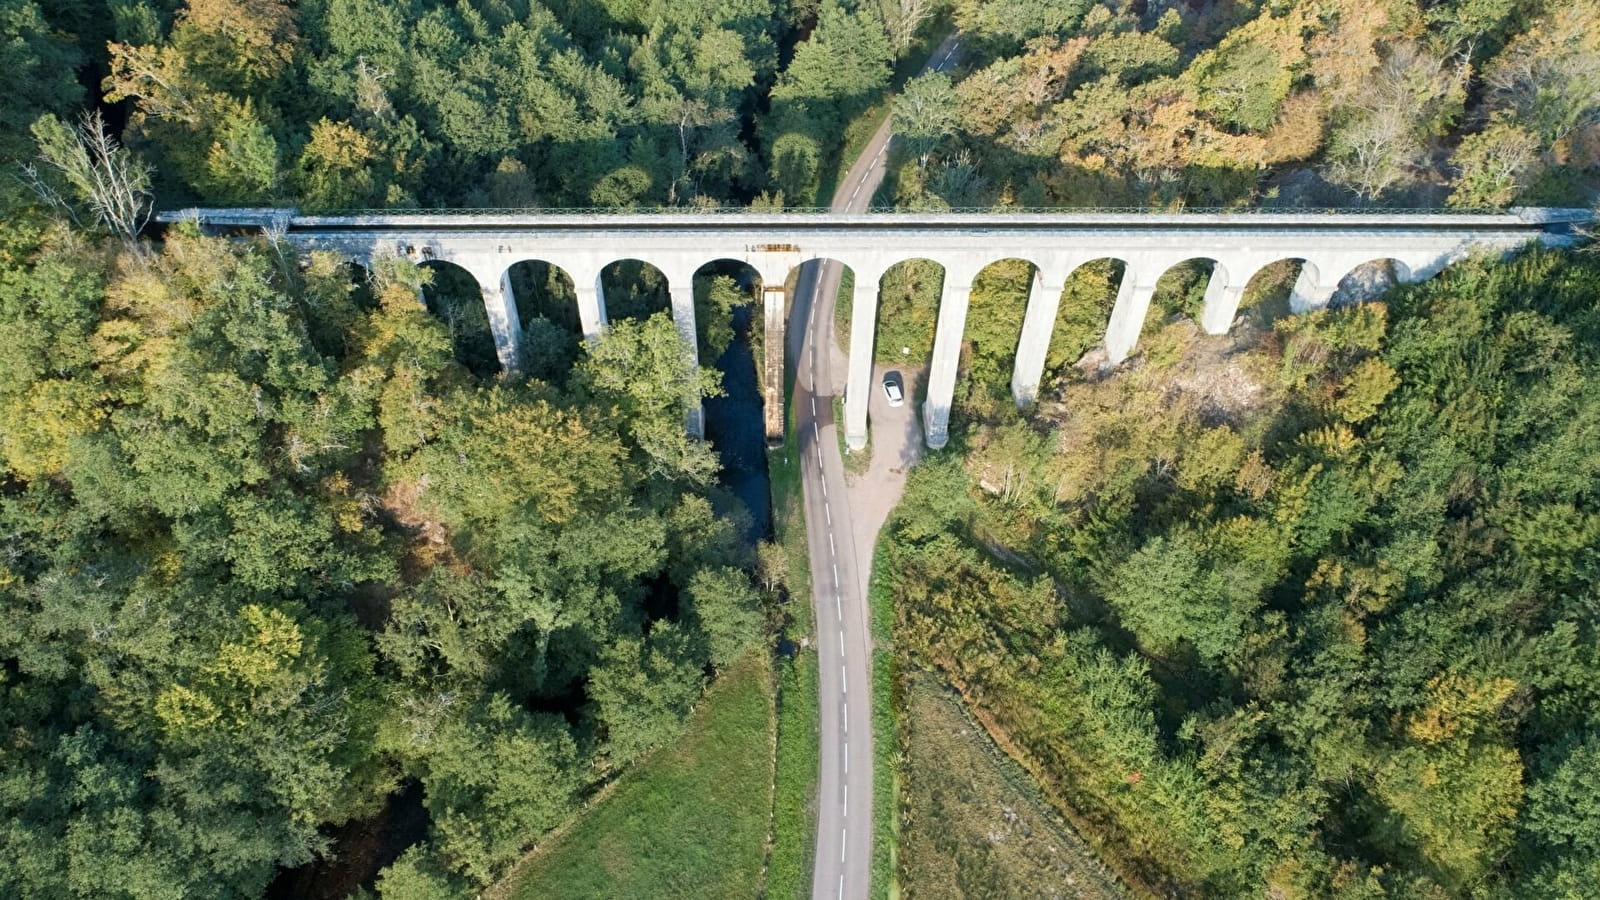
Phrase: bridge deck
{"type": "Point", "coordinates": [466, 220]}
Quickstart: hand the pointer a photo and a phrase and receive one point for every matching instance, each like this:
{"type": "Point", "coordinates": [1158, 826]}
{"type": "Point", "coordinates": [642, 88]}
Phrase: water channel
{"type": "Point", "coordinates": [736, 428]}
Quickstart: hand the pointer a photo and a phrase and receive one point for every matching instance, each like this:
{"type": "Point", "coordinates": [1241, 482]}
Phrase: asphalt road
{"type": "Point", "coordinates": [838, 577]}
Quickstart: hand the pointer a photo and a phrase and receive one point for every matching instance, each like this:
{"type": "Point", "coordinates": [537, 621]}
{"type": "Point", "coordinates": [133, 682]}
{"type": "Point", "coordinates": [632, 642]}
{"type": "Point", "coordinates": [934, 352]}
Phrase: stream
{"type": "Point", "coordinates": [736, 428]}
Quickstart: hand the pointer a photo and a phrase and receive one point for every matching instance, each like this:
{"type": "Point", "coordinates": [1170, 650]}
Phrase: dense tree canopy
{"type": "Point", "coordinates": [1318, 621]}
{"type": "Point", "coordinates": [272, 551]}
{"type": "Point", "coordinates": [1168, 104]}
{"type": "Point", "coordinates": [279, 539]}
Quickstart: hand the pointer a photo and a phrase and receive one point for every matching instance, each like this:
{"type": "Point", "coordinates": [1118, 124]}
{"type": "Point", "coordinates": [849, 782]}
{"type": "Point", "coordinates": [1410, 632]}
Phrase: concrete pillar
{"type": "Point", "coordinates": [947, 340]}
{"type": "Point", "coordinates": [863, 327]}
{"type": "Point", "coordinates": [1222, 301]}
{"type": "Point", "coordinates": [774, 312]}
{"type": "Point", "coordinates": [1310, 291]}
{"type": "Point", "coordinates": [680, 288]}
{"type": "Point", "coordinates": [1133, 303]}
{"type": "Point", "coordinates": [591, 296]}
{"type": "Point", "coordinates": [504, 322]}
{"type": "Point", "coordinates": [1038, 324]}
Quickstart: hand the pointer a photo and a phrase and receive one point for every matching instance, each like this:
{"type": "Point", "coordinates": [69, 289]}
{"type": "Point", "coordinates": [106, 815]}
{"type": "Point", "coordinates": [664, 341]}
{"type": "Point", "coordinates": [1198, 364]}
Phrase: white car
{"type": "Point", "coordinates": [893, 389]}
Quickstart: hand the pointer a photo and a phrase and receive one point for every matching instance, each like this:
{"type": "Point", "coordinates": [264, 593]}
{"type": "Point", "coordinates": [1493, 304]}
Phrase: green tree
{"type": "Point", "coordinates": [1548, 75]}
{"type": "Point", "coordinates": [1561, 807]}
{"type": "Point", "coordinates": [1018, 20]}
{"type": "Point", "coordinates": [496, 777]}
{"type": "Point", "coordinates": [40, 61]}
{"type": "Point", "coordinates": [643, 690]}
{"type": "Point", "coordinates": [724, 607]}
{"type": "Point", "coordinates": [1495, 164]}
{"type": "Point", "coordinates": [640, 369]}
{"type": "Point", "coordinates": [335, 167]}
{"type": "Point", "coordinates": [925, 112]}
{"type": "Point", "coordinates": [242, 167]}
{"type": "Point", "coordinates": [1167, 596]}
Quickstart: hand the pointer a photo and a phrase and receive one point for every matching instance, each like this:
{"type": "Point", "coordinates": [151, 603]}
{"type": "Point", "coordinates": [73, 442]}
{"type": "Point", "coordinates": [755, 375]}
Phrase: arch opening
{"type": "Point", "coordinates": [995, 312]}
{"type": "Point", "coordinates": [1087, 297]}
{"type": "Point", "coordinates": [1181, 291]}
{"type": "Point", "coordinates": [454, 295]}
{"type": "Point", "coordinates": [724, 290]}
{"type": "Point", "coordinates": [338, 291]}
{"type": "Point", "coordinates": [908, 312]}
{"type": "Point", "coordinates": [814, 273]}
{"type": "Point", "coordinates": [806, 284]}
{"type": "Point", "coordinates": [1267, 291]}
{"type": "Point", "coordinates": [726, 320]}
{"type": "Point", "coordinates": [910, 294]}
{"type": "Point", "coordinates": [547, 308]}
{"type": "Point", "coordinates": [634, 289]}
{"type": "Point", "coordinates": [1369, 281]}
{"type": "Point", "coordinates": [1176, 308]}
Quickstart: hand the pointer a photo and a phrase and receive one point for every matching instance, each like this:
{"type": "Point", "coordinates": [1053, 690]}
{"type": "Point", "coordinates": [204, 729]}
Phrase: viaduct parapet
{"type": "Point", "coordinates": [1328, 246]}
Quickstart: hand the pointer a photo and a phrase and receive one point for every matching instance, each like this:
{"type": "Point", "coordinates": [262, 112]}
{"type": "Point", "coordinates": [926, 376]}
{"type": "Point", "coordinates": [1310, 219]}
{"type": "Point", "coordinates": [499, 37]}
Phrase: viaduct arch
{"type": "Point", "coordinates": [1331, 246]}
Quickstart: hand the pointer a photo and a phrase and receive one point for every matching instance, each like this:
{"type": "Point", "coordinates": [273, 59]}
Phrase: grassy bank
{"type": "Point", "coordinates": [843, 306]}
{"type": "Point", "coordinates": [689, 821]}
{"type": "Point", "coordinates": [794, 820]}
{"type": "Point", "coordinates": [975, 823]}
{"type": "Point", "coordinates": [794, 813]}
{"type": "Point", "coordinates": [885, 736]}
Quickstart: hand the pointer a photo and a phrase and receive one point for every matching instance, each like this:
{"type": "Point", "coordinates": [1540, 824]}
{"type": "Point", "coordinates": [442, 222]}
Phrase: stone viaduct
{"type": "Point", "coordinates": [1328, 246]}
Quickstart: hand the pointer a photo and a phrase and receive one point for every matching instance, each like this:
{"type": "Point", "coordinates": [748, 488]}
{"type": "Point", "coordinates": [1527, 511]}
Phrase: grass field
{"type": "Point", "coordinates": [973, 825]}
{"type": "Point", "coordinates": [690, 821]}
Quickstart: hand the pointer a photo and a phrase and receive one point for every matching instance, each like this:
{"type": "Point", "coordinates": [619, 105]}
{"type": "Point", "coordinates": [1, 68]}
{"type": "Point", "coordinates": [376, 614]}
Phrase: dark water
{"type": "Point", "coordinates": [736, 428]}
{"type": "Point", "coordinates": [360, 851]}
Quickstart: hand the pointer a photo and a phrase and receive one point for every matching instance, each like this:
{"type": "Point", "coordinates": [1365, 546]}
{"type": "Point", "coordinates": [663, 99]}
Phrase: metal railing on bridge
{"type": "Point", "coordinates": [890, 210]}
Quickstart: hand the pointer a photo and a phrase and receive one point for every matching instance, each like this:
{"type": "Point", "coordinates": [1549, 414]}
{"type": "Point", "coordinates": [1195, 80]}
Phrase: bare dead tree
{"type": "Point", "coordinates": [1407, 102]}
{"type": "Point", "coordinates": [47, 193]}
{"type": "Point", "coordinates": [102, 174]}
{"type": "Point", "coordinates": [903, 18]}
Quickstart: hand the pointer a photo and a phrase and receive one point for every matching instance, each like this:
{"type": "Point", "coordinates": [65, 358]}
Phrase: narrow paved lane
{"type": "Point", "coordinates": [838, 578]}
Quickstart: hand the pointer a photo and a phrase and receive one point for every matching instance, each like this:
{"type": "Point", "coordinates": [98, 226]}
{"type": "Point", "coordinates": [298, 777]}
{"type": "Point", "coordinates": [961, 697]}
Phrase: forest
{"type": "Point", "coordinates": [272, 552]}
{"type": "Point", "coordinates": [333, 104]}
{"type": "Point", "coordinates": [1310, 609]}
{"type": "Point", "coordinates": [281, 543]}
